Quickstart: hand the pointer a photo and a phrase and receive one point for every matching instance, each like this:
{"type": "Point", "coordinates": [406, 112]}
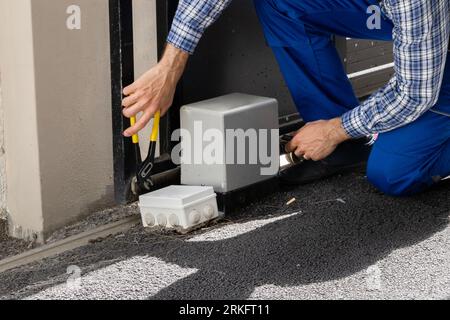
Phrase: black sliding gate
{"type": "Point", "coordinates": [122, 74]}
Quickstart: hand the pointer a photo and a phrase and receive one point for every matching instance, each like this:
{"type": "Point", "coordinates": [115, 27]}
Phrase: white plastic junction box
{"type": "Point", "coordinates": [179, 207]}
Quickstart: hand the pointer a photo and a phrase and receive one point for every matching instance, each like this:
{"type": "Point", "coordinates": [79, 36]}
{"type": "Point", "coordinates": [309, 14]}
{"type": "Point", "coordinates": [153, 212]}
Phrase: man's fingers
{"type": "Point", "coordinates": [132, 88]}
{"type": "Point", "coordinates": [295, 147]}
{"type": "Point", "coordinates": [129, 90]}
{"type": "Point", "coordinates": [136, 108]}
{"type": "Point", "coordinates": [305, 156]}
{"type": "Point", "coordinates": [132, 99]}
{"type": "Point", "coordinates": [291, 146]}
{"type": "Point", "coordinates": [299, 153]}
{"type": "Point", "coordinates": [140, 124]}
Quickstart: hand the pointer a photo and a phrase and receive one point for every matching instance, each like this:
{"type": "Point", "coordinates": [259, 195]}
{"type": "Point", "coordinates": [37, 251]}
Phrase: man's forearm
{"type": "Point", "coordinates": [336, 131]}
{"type": "Point", "coordinates": [174, 61]}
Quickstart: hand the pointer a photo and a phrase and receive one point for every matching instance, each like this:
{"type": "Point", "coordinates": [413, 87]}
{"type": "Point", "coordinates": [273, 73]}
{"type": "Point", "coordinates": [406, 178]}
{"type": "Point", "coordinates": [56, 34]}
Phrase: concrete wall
{"type": "Point", "coordinates": [24, 202]}
{"type": "Point", "coordinates": [2, 160]}
{"type": "Point", "coordinates": [73, 95]}
{"type": "Point", "coordinates": [57, 110]}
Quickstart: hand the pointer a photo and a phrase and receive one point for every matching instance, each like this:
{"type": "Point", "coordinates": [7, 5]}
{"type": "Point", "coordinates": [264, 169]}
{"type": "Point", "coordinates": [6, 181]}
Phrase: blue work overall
{"type": "Point", "coordinates": [404, 161]}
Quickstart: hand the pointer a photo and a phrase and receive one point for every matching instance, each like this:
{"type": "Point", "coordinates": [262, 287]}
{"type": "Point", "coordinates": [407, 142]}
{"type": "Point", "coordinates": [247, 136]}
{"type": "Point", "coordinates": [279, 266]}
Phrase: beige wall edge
{"type": "Point", "coordinates": [23, 204]}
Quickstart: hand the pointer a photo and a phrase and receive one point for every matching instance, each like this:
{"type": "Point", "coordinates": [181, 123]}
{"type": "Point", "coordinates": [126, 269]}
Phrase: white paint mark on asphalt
{"type": "Point", "coordinates": [237, 229]}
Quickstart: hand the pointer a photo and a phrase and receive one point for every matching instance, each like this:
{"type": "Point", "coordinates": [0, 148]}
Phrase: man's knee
{"type": "Point", "coordinates": [390, 175]}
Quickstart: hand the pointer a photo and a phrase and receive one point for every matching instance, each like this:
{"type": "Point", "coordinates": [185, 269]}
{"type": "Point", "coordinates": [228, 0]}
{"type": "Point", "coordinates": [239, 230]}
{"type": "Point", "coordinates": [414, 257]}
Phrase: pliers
{"type": "Point", "coordinates": [142, 182]}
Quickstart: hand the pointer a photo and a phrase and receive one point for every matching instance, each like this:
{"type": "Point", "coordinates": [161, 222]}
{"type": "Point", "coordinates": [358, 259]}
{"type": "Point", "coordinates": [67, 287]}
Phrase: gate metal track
{"type": "Point", "coordinates": [68, 244]}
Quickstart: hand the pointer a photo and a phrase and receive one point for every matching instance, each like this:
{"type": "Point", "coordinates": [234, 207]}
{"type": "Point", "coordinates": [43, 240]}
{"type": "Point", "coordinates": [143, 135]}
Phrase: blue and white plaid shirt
{"type": "Point", "coordinates": [421, 33]}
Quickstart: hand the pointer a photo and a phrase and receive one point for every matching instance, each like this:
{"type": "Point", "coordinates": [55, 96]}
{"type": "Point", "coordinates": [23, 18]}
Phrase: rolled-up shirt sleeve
{"type": "Point", "coordinates": [191, 20]}
{"type": "Point", "coordinates": [420, 37]}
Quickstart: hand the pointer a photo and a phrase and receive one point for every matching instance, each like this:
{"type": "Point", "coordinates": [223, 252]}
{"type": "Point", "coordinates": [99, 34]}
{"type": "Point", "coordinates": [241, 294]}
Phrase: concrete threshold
{"type": "Point", "coordinates": [68, 244]}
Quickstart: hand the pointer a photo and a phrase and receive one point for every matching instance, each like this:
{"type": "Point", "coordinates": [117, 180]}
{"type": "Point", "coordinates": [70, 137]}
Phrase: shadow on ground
{"type": "Point", "coordinates": [328, 240]}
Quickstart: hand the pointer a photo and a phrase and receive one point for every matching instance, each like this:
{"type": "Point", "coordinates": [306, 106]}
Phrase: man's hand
{"type": "Point", "coordinates": [155, 89]}
{"type": "Point", "coordinates": [317, 140]}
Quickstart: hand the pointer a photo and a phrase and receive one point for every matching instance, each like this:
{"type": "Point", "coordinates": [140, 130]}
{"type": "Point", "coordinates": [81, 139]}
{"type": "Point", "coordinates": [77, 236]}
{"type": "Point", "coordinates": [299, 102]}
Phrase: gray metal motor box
{"type": "Point", "coordinates": [230, 142]}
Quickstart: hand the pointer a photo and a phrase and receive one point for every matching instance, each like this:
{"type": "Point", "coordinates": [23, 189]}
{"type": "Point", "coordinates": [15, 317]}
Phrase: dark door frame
{"type": "Point", "coordinates": [122, 74]}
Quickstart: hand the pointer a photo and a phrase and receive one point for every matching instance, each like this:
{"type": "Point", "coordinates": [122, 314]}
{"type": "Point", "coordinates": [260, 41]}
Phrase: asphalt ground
{"type": "Point", "coordinates": [340, 239]}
